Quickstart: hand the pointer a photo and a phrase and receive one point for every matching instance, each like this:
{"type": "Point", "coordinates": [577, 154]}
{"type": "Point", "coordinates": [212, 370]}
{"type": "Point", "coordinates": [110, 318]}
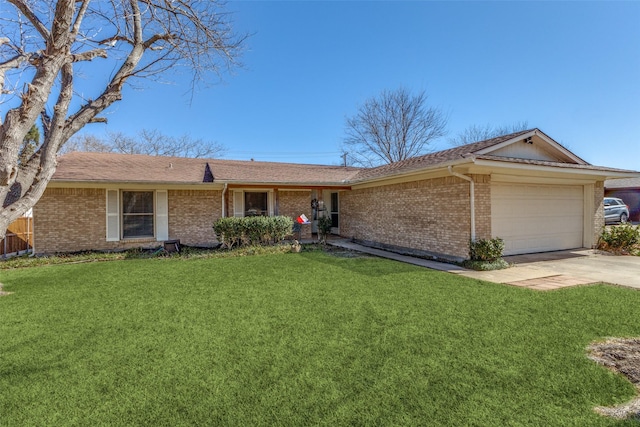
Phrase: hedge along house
{"type": "Point", "coordinates": [523, 187]}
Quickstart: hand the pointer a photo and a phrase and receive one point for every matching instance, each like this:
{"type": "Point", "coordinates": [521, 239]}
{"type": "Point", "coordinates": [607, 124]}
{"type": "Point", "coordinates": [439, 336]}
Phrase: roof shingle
{"type": "Point", "coordinates": [112, 167]}
{"type": "Point", "coordinates": [420, 162]}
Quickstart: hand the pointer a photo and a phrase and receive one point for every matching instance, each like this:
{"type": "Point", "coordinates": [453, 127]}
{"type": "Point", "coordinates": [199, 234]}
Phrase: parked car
{"type": "Point", "coordinates": [615, 210]}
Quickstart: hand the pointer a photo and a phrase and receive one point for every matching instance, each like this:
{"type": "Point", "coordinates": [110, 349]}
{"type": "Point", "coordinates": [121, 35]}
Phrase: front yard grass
{"type": "Point", "coordinates": [301, 339]}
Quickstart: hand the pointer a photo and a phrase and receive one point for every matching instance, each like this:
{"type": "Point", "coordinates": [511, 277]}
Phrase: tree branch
{"type": "Point", "coordinates": [89, 55]}
{"type": "Point", "coordinates": [79, 17]}
{"type": "Point", "coordinates": [23, 7]}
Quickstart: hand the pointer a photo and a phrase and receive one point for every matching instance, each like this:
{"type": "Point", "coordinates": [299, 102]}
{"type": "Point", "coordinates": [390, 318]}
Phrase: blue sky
{"type": "Point", "coordinates": [570, 68]}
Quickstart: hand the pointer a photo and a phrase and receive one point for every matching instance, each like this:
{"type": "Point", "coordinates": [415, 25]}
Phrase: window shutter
{"type": "Point", "coordinates": [113, 216]}
{"type": "Point", "coordinates": [270, 203]}
{"type": "Point", "coordinates": [162, 215]}
{"type": "Point", "coordinates": [238, 204]}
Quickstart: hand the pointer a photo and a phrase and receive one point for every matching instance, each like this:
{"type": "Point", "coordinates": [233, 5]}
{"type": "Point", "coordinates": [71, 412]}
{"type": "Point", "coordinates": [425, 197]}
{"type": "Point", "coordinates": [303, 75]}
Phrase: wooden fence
{"type": "Point", "coordinates": [19, 237]}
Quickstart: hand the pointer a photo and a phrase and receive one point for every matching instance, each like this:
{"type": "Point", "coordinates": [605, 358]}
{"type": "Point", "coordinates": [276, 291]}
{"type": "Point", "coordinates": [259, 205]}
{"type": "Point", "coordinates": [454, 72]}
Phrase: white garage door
{"type": "Point", "coordinates": [537, 218]}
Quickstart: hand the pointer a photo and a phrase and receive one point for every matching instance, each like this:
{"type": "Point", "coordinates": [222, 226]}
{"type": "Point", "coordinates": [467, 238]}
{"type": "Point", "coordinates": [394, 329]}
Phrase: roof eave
{"type": "Point", "coordinates": [414, 172]}
{"type": "Point", "coordinates": [215, 184]}
{"type": "Point", "coordinates": [110, 182]}
{"type": "Point", "coordinates": [592, 171]}
{"type": "Point", "coordinates": [276, 184]}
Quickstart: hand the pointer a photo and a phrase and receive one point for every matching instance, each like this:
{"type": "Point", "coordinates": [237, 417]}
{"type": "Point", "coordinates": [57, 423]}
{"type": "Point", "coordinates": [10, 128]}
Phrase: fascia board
{"type": "Point", "coordinates": [288, 184]}
{"type": "Point", "coordinates": [491, 166]}
{"type": "Point", "coordinates": [134, 184]}
{"type": "Point", "coordinates": [560, 148]}
{"type": "Point", "coordinates": [541, 135]}
{"type": "Point", "coordinates": [492, 148]}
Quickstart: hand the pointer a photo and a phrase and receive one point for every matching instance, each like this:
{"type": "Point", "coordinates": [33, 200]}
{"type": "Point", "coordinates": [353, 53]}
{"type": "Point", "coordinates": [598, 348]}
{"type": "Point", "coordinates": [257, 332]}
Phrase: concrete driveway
{"type": "Point", "coordinates": [554, 270]}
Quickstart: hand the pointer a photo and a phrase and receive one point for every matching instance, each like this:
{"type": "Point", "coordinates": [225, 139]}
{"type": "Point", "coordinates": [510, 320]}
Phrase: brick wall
{"type": "Point", "coordinates": [74, 219]}
{"type": "Point", "coordinates": [428, 215]}
{"type": "Point", "coordinates": [482, 189]}
{"type": "Point", "coordinates": [598, 215]}
{"type": "Point", "coordinates": [294, 203]}
{"type": "Point", "coordinates": [70, 219]}
{"type": "Point", "coordinates": [192, 214]}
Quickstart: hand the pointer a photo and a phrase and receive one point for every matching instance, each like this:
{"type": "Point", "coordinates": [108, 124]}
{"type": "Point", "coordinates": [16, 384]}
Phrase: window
{"type": "Point", "coordinates": [252, 203]}
{"type": "Point", "coordinates": [137, 214]}
{"type": "Point", "coordinates": [255, 204]}
{"type": "Point", "coordinates": [335, 223]}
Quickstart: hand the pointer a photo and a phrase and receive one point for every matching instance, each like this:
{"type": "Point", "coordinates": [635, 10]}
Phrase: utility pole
{"type": "Point", "coordinates": [344, 159]}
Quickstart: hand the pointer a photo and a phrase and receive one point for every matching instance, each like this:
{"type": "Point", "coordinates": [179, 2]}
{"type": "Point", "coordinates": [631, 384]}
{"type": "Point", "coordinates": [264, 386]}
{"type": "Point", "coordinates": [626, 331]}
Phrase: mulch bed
{"type": "Point", "coordinates": [621, 355]}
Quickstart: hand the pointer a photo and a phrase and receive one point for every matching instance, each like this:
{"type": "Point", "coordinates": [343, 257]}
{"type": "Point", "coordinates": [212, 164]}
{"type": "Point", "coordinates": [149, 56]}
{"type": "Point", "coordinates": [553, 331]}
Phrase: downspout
{"type": "Point", "coordinates": [224, 192]}
{"type": "Point", "coordinates": [472, 200]}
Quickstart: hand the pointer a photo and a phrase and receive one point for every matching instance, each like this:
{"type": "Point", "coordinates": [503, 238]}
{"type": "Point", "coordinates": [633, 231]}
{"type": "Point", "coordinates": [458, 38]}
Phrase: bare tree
{"type": "Point", "coordinates": [475, 133]}
{"type": "Point", "coordinates": [45, 44]}
{"type": "Point", "coordinates": [86, 142]}
{"type": "Point", "coordinates": [391, 127]}
{"type": "Point", "coordinates": [150, 142]}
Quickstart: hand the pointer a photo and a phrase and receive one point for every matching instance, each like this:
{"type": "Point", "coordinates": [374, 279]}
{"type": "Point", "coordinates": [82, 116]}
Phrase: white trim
{"type": "Point", "coordinates": [112, 211]}
{"type": "Point", "coordinates": [505, 143]}
{"type": "Point", "coordinates": [162, 215]}
{"type": "Point", "coordinates": [483, 166]}
{"type": "Point", "coordinates": [541, 179]}
{"type": "Point", "coordinates": [270, 202]}
{"type": "Point", "coordinates": [238, 203]}
{"type": "Point", "coordinates": [533, 133]}
{"type": "Point", "coordinates": [224, 205]}
{"type": "Point", "coordinates": [238, 200]}
{"type": "Point", "coordinates": [589, 216]}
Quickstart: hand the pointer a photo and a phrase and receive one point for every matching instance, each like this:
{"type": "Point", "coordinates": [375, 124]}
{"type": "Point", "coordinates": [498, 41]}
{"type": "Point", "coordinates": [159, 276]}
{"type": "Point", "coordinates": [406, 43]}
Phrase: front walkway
{"type": "Point", "coordinates": [546, 271]}
{"type": "Point", "coordinates": [434, 265]}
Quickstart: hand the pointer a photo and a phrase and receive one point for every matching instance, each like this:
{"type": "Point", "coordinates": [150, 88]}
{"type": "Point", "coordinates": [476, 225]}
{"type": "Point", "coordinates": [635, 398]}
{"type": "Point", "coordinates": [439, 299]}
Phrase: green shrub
{"type": "Point", "coordinates": [498, 264]}
{"type": "Point", "coordinates": [228, 231]}
{"type": "Point", "coordinates": [324, 227]}
{"type": "Point", "coordinates": [620, 239]}
{"type": "Point", "coordinates": [253, 230]}
{"type": "Point", "coordinates": [488, 250]}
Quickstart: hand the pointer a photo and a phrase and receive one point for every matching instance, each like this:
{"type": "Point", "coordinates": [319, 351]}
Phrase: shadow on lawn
{"type": "Point", "coordinates": [366, 265]}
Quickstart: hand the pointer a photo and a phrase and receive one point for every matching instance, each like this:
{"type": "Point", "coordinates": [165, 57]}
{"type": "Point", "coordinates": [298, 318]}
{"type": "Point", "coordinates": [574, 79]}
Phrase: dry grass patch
{"type": "Point", "coordinates": [3, 292]}
{"type": "Point", "coordinates": [621, 355]}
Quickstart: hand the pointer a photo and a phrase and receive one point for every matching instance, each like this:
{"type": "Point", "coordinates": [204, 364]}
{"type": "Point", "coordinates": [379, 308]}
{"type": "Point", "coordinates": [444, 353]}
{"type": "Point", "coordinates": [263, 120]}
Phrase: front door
{"type": "Point", "coordinates": [331, 206]}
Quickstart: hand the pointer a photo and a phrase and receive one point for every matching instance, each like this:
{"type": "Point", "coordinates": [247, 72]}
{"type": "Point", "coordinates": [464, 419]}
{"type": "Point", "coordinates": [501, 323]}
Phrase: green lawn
{"type": "Point", "coordinates": [301, 339]}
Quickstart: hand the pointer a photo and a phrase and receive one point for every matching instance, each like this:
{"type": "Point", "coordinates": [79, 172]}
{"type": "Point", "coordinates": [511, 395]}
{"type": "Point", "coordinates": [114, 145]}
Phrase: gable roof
{"type": "Point", "coordinates": [438, 157]}
{"type": "Point", "coordinates": [491, 150]}
{"type": "Point", "coordinates": [520, 149]}
{"type": "Point", "coordinates": [136, 168]}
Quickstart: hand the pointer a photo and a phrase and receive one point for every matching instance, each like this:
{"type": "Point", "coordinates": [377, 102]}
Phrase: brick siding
{"type": "Point", "coordinates": [430, 216]}
{"type": "Point", "coordinates": [482, 189]}
{"type": "Point", "coordinates": [70, 219]}
{"type": "Point", "coordinates": [192, 214]}
{"type": "Point", "coordinates": [74, 219]}
{"type": "Point", "coordinates": [293, 203]}
{"type": "Point", "coordinates": [598, 215]}
{"type": "Point", "coordinates": [427, 215]}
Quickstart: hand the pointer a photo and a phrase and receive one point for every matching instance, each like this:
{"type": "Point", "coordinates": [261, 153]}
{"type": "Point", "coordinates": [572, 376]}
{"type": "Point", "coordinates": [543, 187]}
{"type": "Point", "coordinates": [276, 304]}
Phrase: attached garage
{"type": "Point", "coordinates": [537, 218]}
